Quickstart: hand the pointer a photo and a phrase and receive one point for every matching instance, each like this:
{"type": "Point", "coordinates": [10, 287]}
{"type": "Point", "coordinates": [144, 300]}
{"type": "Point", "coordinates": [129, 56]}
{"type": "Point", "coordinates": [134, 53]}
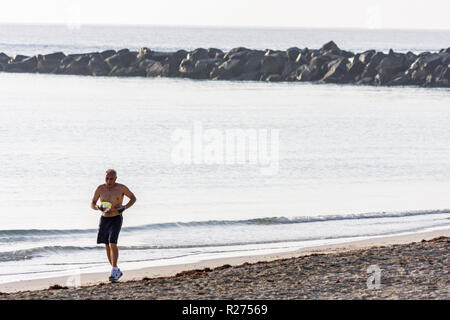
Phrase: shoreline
{"type": "Point", "coordinates": [99, 278]}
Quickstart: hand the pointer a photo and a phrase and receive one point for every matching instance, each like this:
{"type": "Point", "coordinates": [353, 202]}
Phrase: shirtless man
{"type": "Point", "coordinates": [111, 195]}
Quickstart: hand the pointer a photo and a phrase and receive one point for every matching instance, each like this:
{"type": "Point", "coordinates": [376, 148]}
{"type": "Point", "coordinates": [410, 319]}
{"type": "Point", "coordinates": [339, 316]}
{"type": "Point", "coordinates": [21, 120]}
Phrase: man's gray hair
{"type": "Point", "coordinates": [112, 171]}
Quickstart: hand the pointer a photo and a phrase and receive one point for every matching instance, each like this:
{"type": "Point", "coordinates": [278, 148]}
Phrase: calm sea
{"type": "Point", "coordinates": [353, 162]}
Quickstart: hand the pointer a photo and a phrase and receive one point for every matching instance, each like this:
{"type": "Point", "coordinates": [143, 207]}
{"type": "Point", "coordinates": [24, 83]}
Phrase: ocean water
{"type": "Point", "coordinates": [40, 39]}
{"type": "Point", "coordinates": [354, 162]}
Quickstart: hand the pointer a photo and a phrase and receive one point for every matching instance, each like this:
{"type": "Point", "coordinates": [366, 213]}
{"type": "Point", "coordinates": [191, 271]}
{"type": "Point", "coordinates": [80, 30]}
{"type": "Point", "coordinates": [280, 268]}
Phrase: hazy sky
{"type": "Point", "coordinates": [403, 14]}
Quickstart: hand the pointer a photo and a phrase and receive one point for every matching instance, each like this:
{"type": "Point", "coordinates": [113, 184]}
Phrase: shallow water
{"type": "Point", "coordinates": [40, 39]}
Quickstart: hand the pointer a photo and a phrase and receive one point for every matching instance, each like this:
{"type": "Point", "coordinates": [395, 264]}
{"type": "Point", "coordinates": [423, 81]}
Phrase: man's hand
{"type": "Point", "coordinates": [120, 208]}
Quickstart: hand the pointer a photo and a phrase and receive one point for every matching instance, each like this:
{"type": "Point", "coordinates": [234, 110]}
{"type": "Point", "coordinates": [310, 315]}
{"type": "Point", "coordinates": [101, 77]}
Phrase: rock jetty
{"type": "Point", "coordinates": [329, 64]}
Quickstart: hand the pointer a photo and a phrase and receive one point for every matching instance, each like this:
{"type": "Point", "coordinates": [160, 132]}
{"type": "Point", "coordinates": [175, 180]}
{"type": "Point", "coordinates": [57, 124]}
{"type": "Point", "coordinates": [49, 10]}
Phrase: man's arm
{"type": "Point", "coordinates": [95, 199]}
{"type": "Point", "coordinates": [130, 195]}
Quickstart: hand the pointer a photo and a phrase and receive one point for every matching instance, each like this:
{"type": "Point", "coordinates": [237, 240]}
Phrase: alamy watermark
{"type": "Point", "coordinates": [74, 280]}
{"type": "Point", "coordinates": [374, 280]}
{"type": "Point", "coordinates": [235, 146]}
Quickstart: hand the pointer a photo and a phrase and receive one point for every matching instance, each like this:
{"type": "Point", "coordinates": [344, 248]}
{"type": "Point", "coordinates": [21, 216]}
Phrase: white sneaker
{"type": "Point", "coordinates": [115, 275]}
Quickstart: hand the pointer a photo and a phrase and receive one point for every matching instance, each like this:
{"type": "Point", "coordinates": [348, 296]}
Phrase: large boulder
{"type": "Point", "coordinates": [330, 48]}
{"type": "Point", "coordinates": [186, 67]}
{"type": "Point", "coordinates": [203, 67]}
{"type": "Point", "coordinates": [227, 70]}
{"type": "Point", "coordinates": [157, 69]}
{"type": "Point", "coordinates": [122, 59]}
{"type": "Point", "coordinates": [160, 56]}
{"type": "Point", "coordinates": [131, 71]}
{"type": "Point", "coordinates": [49, 63]}
{"type": "Point", "coordinates": [4, 58]}
{"type": "Point", "coordinates": [427, 62]}
{"type": "Point", "coordinates": [302, 58]}
{"type": "Point", "coordinates": [317, 68]}
{"type": "Point", "coordinates": [355, 68]}
{"type": "Point", "coordinates": [144, 53]}
{"type": "Point", "coordinates": [107, 53]}
{"type": "Point", "coordinates": [390, 67]}
{"type": "Point", "coordinates": [422, 69]}
{"type": "Point", "coordinates": [370, 70]}
{"type": "Point", "coordinates": [305, 73]}
{"type": "Point", "coordinates": [198, 54]}
{"type": "Point", "coordinates": [215, 53]}
{"type": "Point", "coordinates": [78, 66]}
{"type": "Point", "coordinates": [22, 65]}
{"type": "Point", "coordinates": [273, 63]}
{"type": "Point", "coordinates": [198, 69]}
{"type": "Point", "coordinates": [18, 58]}
{"type": "Point", "coordinates": [441, 76]}
{"type": "Point", "coordinates": [174, 61]}
{"type": "Point", "coordinates": [241, 55]}
{"type": "Point", "coordinates": [393, 63]}
{"type": "Point", "coordinates": [252, 63]}
{"type": "Point", "coordinates": [233, 51]}
{"type": "Point", "coordinates": [97, 66]}
{"type": "Point", "coordinates": [337, 71]}
{"type": "Point", "coordinates": [365, 56]}
{"type": "Point", "coordinates": [293, 53]}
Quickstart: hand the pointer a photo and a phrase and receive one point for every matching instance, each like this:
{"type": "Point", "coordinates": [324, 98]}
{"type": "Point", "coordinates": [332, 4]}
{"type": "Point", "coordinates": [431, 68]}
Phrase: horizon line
{"type": "Point", "coordinates": [216, 26]}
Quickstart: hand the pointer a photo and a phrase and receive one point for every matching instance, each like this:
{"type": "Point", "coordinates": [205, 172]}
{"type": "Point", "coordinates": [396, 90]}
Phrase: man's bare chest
{"type": "Point", "coordinates": [111, 195]}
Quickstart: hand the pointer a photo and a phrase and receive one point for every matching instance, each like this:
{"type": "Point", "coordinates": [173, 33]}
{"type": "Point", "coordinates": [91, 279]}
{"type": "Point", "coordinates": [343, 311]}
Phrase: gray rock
{"type": "Point", "coordinates": [78, 66]}
{"type": "Point", "coordinates": [330, 47]}
{"type": "Point", "coordinates": [230, 68]}
{"type": "Point", "coordinates": [4, 58]}
{"type": "Point", "coordinates": [203, 67]}
{"type": "Point", "coordinates": [198, 54]}
{"type": "Point", "coordinates": [107, 53]}
{"type": "Point", "coordinates": [318, 67]}
{"type": "Point", "coordinates": [304, 73]}
{"type": "Point", "coordinates": [144, 53]}
{"type": "Point", "coordinates": [199, 69]}
{"type": "Point", "coordinates": [186, 66]}
{"type": "Point", "coordinates": [174, 62]}
{"type": "Point", "coordinates": [131, 71]}
{"type": "Point", "coordinates": [213, 52]}
{"type": "Point", "coordinates": [355, 67]}
{"type": "Point", "coordinates": [49, 63]}
{"type": "Point", "coordinates": [337, 71]}
{"type": "Point", "coordinates": [122, 59]}
{"type": "Point", "coordinates": [400, 80]}
{"type": "Point", "coordinates": [249, 76]}
{"type": "Point", "coordinates": [273, 63]}
{"type": "Point", "coordinates": [289, 72]}
{"type": "Point", "coordinates": [98, 67]}
{"type": "Point", "coordinates": [160, 56]}
{"type": "Point", "coordinates": [22, 65]}
{"type": "Point", "coordinates": [233, 51]}
{"type": "Point", "coordinates": [302, 58]}
{"type": "Point", "coordinates": [371, 69]}
{"type": "Point", "coordinates": [18, 58]}
{"type": "Point", "coordinates": [293, 53]}
{"type": "Point", "coordinates": [158, 69]}
{"type": "Point", "coordinates": [366, 56]}
{"type": "Point", "coordinates": [389, 67]}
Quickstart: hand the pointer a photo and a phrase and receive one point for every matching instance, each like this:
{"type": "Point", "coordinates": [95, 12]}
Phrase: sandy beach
{"type": "Point", "coordinates": [410, 267]}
